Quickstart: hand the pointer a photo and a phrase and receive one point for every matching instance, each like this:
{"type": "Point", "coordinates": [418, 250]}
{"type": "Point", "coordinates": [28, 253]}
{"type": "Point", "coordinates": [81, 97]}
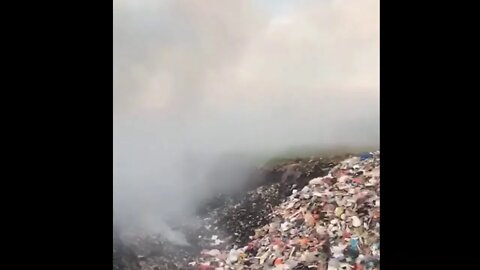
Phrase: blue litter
{"type": "Point", "coordinates": [365, 156]}
{"type": "Point", "coordinates": [354, 244]}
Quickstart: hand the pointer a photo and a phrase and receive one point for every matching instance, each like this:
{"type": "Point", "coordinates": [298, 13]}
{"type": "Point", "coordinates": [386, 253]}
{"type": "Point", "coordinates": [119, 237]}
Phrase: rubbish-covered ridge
{"type": "Point", "coordinates": [306, 214]}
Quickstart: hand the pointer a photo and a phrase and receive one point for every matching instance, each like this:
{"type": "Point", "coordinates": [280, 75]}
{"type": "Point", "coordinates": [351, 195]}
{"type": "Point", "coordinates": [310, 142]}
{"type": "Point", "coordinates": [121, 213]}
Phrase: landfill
{"type": "Point", "coordinates": [316, 213]}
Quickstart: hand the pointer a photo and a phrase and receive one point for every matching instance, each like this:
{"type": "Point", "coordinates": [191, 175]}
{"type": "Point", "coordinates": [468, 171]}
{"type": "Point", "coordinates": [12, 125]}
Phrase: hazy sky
{"type": "Point", "coordinates": [196, 81]}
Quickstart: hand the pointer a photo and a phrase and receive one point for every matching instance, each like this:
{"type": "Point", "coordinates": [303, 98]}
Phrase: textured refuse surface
{"type": "Point", "coordinates": [314, 214]}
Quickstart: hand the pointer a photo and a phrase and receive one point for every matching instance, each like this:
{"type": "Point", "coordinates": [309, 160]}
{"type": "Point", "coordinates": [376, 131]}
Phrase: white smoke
{"type": "Point", "coordinates": [200, 80]}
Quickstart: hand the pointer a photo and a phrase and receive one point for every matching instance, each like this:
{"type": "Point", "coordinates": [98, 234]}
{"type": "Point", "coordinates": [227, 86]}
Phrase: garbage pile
{"type": "Point", "coordinates": [331, 223]}
{"type": "Point", "coordinates": [236, 217]}
{"type": "Point", "coordinates": [305, 214]}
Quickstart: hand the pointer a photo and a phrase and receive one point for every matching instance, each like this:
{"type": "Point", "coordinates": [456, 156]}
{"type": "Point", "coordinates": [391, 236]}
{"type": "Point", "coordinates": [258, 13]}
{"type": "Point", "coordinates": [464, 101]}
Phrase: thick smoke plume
{"type": "Point", "coordinates": [204, 89]}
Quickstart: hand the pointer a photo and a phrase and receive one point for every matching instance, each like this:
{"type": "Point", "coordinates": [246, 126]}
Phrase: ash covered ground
{"type": "Point", "coordinates": [227, 221]}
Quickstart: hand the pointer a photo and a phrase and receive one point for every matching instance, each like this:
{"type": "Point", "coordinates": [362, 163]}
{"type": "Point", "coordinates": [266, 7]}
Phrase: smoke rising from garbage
{"type": "Point", "coordinates": [204, 89]}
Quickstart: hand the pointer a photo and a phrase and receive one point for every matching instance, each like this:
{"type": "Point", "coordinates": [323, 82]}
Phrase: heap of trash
{"type": "Point", "coordinates": [315, 213]}
{"type": "Point", "coordinates": [331, 223]}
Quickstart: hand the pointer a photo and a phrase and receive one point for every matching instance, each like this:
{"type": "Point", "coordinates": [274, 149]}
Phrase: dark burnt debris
{"type": "Point", "coordinates": [231, 221]}
{"type": "Point", "coordinates": [123, 255]}
{"type": "Point", "coordinates": [240, 214]}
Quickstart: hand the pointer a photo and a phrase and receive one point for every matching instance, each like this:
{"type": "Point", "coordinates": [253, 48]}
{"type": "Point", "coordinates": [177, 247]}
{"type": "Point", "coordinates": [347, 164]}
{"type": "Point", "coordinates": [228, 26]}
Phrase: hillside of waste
{"type": "Point", "coordinates": [315, 213]}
